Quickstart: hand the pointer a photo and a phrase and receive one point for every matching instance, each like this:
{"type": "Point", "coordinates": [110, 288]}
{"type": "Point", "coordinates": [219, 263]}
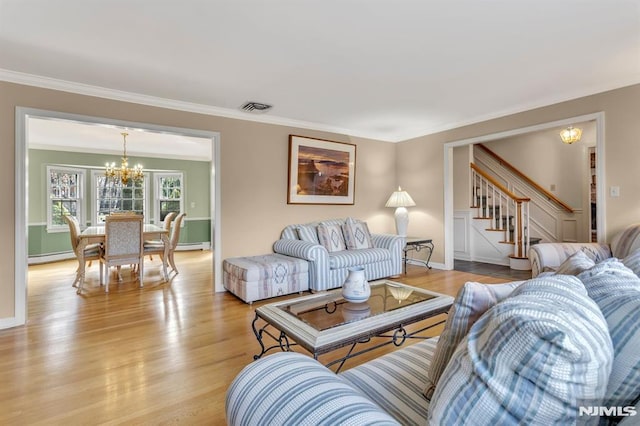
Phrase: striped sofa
{"type": "Point", "coordinates": [548, 256]}
{"type": "Point", "coordinates": [328, 270]}
{"type": "Point", "coordinates": [289, 388]}
{"type": "Point", "coordinates": [559, 349]}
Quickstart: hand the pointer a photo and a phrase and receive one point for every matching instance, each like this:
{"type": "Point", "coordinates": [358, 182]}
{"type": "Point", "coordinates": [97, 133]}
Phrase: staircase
{"type": "Point", "coordinates": [508, 209]}
{"type": "Point", "coordinates": [504, 214]}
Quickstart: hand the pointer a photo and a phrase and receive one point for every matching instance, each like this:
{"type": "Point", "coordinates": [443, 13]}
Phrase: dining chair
{"type": "Point", "coordinates": [174, 238]}
{"type": "Point", "coordinates": [158, 248]}
{"type": "Point", "coordinates": [166, 224]}
{"type": "Point", "coordinates": [123, 245]}
{"type": "Point", "coordinates": [91, 252]}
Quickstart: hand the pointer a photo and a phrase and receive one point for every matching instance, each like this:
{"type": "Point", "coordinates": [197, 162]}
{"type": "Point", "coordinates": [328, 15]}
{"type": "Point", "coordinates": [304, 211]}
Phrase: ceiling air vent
{"type": "Point", "coordinates": [255, 107]}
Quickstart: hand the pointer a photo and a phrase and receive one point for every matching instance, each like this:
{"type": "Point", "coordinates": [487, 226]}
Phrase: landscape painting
{"type": "Point", "coordinates": [320, 171]}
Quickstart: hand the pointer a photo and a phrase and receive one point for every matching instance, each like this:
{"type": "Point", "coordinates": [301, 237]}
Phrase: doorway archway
{"type": "Point", "coordinates": [21, 197]}
{"type": "Point", "coordinates": [448, 173]}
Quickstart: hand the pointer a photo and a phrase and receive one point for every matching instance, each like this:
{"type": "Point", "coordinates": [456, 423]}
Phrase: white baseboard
{"type": "Point", "coordinates": [9, 323]}
{"type": "Point", "coordinates": [35, 260]}
{"type": "Point", "coordinates": [194, 246]}
{"type": "Point", "coordinates": [461, 256]}
{"type": "Point", "coordinates": [434, 265]}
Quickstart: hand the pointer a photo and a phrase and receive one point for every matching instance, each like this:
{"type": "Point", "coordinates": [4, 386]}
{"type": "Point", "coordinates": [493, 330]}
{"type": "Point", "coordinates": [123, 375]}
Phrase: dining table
{"type": "Point", "coordinates": [96, 235]}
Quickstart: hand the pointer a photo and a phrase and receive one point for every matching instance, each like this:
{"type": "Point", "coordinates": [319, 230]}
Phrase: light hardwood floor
{"type": "Point", "coordinates": [164, 354]}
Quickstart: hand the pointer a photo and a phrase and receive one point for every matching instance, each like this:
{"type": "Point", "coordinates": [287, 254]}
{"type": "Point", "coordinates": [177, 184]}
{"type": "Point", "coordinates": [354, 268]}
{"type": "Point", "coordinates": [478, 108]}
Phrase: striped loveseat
{"type": "Point", "coordinates": [381, 256]}
{"type": "Point", "coordinates": [554, 350]}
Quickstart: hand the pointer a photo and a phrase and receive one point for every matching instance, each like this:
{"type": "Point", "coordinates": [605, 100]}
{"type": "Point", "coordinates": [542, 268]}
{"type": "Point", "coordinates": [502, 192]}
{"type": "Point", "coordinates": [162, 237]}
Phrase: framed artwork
{"type": "Point", "coordinates": [321, 171]}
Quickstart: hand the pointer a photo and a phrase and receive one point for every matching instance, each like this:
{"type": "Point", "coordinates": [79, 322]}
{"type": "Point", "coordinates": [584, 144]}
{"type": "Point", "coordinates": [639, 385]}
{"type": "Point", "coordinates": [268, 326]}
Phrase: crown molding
{"type": "Point", "coordinates": [119, 95]}
{"type": "Point", "coordinates": [137, 98]}
{"type": "Point", "coordinates": [527, 106]}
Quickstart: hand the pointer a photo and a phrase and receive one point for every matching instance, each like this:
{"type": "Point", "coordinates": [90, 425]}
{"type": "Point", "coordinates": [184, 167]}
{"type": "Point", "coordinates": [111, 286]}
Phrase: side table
{"type": "Point", "coordinates": [416, 244]}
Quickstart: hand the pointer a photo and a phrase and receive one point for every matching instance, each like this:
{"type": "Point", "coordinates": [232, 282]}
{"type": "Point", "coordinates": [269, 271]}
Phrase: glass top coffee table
{"type": "Point", "coordinates": [324, 322]}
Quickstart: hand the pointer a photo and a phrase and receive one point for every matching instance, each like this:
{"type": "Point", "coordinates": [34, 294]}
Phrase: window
{"type": "Point", "coordinates": [64, 196]}
{"type": "Point", "coordinates": [169, 194]}
{"type": "Point", "coordinates": [110, 196]}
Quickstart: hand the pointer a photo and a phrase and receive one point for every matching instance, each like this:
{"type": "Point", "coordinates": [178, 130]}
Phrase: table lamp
{"type": "Point", "coordinates": [401, 200]}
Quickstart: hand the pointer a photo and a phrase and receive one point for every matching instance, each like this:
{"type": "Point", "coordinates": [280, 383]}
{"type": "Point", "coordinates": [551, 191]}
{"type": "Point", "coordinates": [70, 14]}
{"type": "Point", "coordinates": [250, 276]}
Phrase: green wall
{"type": "Point", "coordinates": [197, 180]}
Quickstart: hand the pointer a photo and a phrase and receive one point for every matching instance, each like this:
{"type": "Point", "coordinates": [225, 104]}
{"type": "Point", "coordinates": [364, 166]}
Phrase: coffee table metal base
{"type": "Point", "coordinates": [395, 334]}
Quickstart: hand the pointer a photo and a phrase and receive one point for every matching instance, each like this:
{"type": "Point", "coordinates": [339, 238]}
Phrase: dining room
{"type": "Point", "coordinates": [91, 172]}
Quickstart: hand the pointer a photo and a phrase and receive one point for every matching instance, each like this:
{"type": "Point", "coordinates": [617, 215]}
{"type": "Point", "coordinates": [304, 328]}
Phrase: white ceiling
{"type": "Point", "coordinates": [389, 70]}
{"type": "Point", "coordinates": [68, 135]}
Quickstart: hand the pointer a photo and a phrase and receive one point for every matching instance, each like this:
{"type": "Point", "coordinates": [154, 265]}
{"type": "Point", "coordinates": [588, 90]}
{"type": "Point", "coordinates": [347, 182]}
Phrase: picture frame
{"type": "Point", "coordinates": [321, 171]}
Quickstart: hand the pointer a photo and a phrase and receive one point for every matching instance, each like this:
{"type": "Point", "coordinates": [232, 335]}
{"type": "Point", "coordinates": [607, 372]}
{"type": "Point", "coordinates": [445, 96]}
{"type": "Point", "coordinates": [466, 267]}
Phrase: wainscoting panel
{"type": "Point", "coordinates": [461, 236]}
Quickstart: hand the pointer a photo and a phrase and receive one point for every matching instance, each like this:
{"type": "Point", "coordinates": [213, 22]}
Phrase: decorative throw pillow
{"type": "Point", "coordinates": [473, 300]}
{"type": "Point", "coordinates": [307, 233]}
{"type": "Point", "coordinates": [533, 358]}
{"type": "Point", "coordinates": [330, 236]}
{"type": "Point", "coordinates": [356, 234]}
{"type": "Point", "coordinates": [576, 263]}
{"type": "Point", "coordinates": [616, 290]}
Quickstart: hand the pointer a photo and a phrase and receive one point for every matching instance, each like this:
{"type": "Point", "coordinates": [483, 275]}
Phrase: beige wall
{"type": "Point", "coordinates": [253, 173]}
{"type": "Point", "coordinates": [421, 160]}
{"type": "Point", "coordinates": [254, 168]}
{"type": "Point", "coordinates": [563, 166]}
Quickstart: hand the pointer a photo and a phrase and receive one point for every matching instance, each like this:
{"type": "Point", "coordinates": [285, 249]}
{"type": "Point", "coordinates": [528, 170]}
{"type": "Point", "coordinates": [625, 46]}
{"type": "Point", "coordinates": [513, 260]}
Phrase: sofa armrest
{"type": "Point", "coordinates": [288, 388]}
{"type": "Point", "coordinates": [394, 243]}
{"type": "Point", "coordinates": [316, 255]}
{"type": "Point", "coordinates": [551, 255]}
{"type": "Point", "coordinates": [300, 249]}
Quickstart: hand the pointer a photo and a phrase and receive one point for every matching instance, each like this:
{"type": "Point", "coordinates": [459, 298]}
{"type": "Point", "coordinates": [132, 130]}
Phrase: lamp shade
{"type": "Point", "coordinates": [400, 198]}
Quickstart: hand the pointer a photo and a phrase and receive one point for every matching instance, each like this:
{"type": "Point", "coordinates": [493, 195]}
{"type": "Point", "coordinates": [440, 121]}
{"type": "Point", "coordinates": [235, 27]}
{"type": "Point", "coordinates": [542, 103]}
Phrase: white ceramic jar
{"type": "Point", "coordinates": [356, 288]}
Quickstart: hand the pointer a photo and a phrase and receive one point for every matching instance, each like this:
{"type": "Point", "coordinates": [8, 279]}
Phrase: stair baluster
{"type": "Point", "coordinates": [516, 226]}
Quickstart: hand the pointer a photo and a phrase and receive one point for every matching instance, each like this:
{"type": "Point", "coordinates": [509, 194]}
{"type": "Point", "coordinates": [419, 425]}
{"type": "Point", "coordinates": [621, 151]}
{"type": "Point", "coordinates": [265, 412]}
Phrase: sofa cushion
{"type": "Point", "coordinates": [576, 263]}
{"type": "Point", "coordinates": [356, 234]}
{"type": "Point", "coordinates": [395, 381]}
{"type": "Point", "coordinates": [473, 300]}
{"type": "Point", "coordinates": [531, 359]}
{"type": "Point", "coordinates": [331, 238]}
{"type": "Point", "coordinates": [616, 290]}
{"type": "Point", "coordinates": [289, 388]}
{"type": "Point", "coordinates": [348, 258]}
{"type": "Point", "coordinates": [307, 233]}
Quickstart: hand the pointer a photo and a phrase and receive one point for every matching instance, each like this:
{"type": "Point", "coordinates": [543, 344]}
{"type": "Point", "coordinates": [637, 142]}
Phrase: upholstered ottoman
{"type": "Point", "coordinates": [260, 277]}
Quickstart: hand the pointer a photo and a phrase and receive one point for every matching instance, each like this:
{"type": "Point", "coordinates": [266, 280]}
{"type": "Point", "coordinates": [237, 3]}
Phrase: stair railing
{"type": "Point", "coordinates": [504, 163]}
{"type": "Point", "coordinates": [506, 210]}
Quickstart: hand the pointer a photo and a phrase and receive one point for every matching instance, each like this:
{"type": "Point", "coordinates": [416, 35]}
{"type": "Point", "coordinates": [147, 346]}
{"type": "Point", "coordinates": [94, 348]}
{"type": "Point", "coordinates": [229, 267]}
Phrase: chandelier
{"type": "Point", "coordinates": [570, 135]}
{"type": "Point", "coordinates": [124, 173]}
